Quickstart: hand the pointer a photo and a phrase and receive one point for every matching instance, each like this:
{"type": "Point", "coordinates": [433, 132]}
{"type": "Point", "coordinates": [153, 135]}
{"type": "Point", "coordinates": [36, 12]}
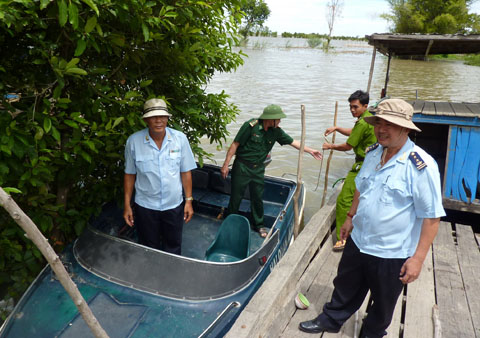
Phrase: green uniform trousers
{"type": "Point", "coordinates": [244, 175]}
{"type": "Point", "coordinates": [345, 198]}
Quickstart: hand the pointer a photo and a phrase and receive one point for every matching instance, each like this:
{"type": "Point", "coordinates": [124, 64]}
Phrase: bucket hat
{"type": "Point", "coordinates": [155, 107]}
{"type": "Point", "coordinates": [396, 111]}
{"type": "Point", "coordinates": [272, 112]}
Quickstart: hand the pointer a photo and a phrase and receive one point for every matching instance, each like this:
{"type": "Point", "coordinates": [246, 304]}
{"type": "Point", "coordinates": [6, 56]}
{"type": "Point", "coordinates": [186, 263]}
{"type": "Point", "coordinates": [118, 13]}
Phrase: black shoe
{"type": "Point", "coordinates": [314, 326]}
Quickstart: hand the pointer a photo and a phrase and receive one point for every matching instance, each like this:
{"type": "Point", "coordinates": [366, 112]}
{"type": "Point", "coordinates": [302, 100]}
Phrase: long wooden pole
{"type": "Point", "coordinates": [7, 202]}
{"type": "Point", "coordinates": [372, 66]}
{"type": "Point", "coordinates": [325, 186]}
{"type": "Point", "coordinates": [296, 228]}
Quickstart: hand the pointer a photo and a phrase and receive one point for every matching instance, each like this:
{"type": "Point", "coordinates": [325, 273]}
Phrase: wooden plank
{"type": "Point", "coordinates": [474, 108]}
{"type": "Point", "coordinates": [444, 108]}
{"type": "Point", "coordinates": [461, 109]}
{"type": "Point", "coordinates": [420, 302]}
{"type": "Point", "coordinates": [318, 292]}
{"type": "Point", "coordinates": [469, 259]}
{"type": "Point", "coordinates": [260, 314]}
{"type": "Point", "coordinates": [352, 327]}
{"type": "Point", "coordinates": [449, 160]}
{"type": "Point", "coordinates": [451, 298]}
{"type": "Point", "coordinates": [429, 108]}
{"type": "Point", "coordinates": [478, 239]}
{"type": "Point", "coordinates": [418, 106]}
{"type": "Point", "coordinates": [449, 203]}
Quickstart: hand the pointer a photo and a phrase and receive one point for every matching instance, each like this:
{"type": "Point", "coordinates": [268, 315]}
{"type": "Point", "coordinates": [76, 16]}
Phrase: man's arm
{"type": "Point", "coordinates": [231, 151]}
{"type": "Point", "coordinates": [347, 227]}
{"type": "Point", "coordinates": [343, 131]}
{"type": "Point", "coordinates": [315, 153]}
{"type": "Point", "coordinates": [339, 147]}
{"type": "Point", "coordinates": [413, 265]}
{"type": "Point", "coordinates": [187, 189]}
{"type": "Point", "coordinates": [128, 184]}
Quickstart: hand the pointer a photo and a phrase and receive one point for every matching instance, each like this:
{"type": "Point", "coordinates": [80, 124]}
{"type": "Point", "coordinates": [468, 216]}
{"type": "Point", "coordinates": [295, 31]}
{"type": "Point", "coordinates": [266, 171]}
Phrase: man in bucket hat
{"type": "Point", "coordinates": [158, 163]}
{"type": "Point", "coordinates": [251, 146]}
{"type": "Point", "coordinates": [395, 215]}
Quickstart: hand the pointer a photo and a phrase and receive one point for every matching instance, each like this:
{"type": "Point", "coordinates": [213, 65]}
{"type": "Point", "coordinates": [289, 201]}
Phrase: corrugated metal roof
{"type": "Point", "coordinates": [424, 44]}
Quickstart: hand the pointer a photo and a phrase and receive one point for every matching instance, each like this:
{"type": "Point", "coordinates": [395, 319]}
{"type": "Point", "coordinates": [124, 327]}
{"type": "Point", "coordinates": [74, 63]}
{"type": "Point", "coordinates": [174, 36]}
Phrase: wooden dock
{"type": "Point", "coordinates": [443, 302]}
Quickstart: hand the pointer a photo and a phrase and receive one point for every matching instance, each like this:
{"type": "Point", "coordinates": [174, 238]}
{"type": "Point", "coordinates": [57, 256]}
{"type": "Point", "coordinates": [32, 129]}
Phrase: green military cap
{"type": "Point", "coordinates": [272, 112]}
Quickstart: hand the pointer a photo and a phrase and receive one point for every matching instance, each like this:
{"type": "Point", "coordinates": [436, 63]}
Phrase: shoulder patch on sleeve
{"type": "Point", "coordinates": [253, 123]}
{"type": "Point", "coordinates": [417, 161]}
{"type": "Point", "coordinates": [372, 147]}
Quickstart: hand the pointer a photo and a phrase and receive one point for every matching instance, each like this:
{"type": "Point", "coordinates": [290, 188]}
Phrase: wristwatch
{"type": "Point", "coordinates": [188, 198]}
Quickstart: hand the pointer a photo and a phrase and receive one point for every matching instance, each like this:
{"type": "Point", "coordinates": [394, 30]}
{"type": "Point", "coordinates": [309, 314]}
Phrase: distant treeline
{"type": "Point", "coordinates": [304, 35]}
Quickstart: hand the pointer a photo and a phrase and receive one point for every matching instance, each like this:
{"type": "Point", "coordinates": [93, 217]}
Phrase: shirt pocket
{"type": "Point", "coordinates": [394, 192]}
{"type": "Point", "coordinates": [173, 160]}
{"type": "Point", "coordinates": [145, 164]}
{"type": "Point", "coordinates": [362, 182]}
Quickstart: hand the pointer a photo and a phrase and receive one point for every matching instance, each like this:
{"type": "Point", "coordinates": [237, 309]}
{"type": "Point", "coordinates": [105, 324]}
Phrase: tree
{"type": "Point", "coordinates": [334, 10]}
{"type": "Point", "coordinates": [73, 78]}
{"type": "Point", "coordinates": [256, 13]}
{"type": "Point", "coordinates": [432, 16]}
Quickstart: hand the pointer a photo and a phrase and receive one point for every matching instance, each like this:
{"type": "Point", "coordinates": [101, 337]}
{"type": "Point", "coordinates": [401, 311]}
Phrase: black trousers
{"type": "Point", "coordinates": [357, 274]}
{"type": "Point", "coordinates": [160, 229]}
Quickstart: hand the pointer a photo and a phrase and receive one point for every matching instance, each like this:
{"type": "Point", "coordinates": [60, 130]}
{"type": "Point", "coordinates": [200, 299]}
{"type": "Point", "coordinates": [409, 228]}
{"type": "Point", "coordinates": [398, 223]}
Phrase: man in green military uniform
{"type": "Point", "coordinates": [251, 146]}
{"type": "Point", "coordinates": [359, 138]}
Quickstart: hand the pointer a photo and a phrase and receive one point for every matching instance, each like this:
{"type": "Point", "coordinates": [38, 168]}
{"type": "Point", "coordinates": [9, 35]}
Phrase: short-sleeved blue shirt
{"type": "Point", "coordinates": [158, 183]}
{"type": "Point", "coordinates": [393, 202]}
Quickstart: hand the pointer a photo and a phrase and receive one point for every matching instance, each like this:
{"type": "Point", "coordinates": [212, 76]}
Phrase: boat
{"type": "Point", "coordinates": [450, 130]}
{"type": "Point", "coordinates": [137, 291]}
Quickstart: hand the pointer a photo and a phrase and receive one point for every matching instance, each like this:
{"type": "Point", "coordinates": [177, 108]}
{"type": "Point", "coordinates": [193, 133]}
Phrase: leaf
{"type": "Point", "coordinates": [73, 15]}
{"type": "Point", "coordinates": [72, 63]}
{"type": "Point", "coordinates": [90, 25]}
{"type": "Point", "coordinates": [44, 3]}
{"type": "Point", "coordinates": [62, 12]}
{"type": "Point", "coordinates": [12, 190]}
{"type": "Point", "coordinates": [145, 83]}
{"type": "Point", "coordinates": [39, 134]}
{"type": "Point", "coordinates": [81, 45]}
{"type": "Point", "coordinates": [71, 123]}
{"type": "Point", "coordinates": [117, 121]}
{"type": "Point", "coordinates": [47, 124]}
{"type": "Point", "coordinates": [92, 6]}
{"type": "Point", "coordinates": [90, 144]}
{"type": "Point", "coordinates": [55, 134]}
{"type": "Point", "coordinates": [118, 40]}
{"type": "Point", "coordinates": [77, 71]}
{"type": "Point", "coordinates": [146, 32]}
{"type": "Point", "coordinates": [86, 156]}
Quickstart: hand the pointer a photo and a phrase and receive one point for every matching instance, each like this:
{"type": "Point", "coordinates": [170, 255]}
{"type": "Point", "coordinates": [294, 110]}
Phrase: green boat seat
{"type": "Point", "coordinates": [232, 242]}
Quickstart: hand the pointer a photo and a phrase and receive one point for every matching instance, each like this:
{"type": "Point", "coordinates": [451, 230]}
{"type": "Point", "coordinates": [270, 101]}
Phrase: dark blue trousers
{"type": "Point", "coordinates": [357, 274]}
{"type": "Point", "coordinates": [160, 229]}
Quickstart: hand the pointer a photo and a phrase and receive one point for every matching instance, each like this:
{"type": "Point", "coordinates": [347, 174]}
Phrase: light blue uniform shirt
{"type": "Point", "coordinates": [393, 202]}
{"type": "Point", "coordinates": [158, 183]}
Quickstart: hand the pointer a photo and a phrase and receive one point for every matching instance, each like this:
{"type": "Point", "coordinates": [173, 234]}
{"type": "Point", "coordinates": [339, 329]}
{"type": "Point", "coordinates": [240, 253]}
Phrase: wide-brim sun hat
{"type": "Point", "coordinates": [396, 111]}
{"type": "Point", "coordinates": [272, 112]}
{"type": "Point", "coordinates": [155, 107]}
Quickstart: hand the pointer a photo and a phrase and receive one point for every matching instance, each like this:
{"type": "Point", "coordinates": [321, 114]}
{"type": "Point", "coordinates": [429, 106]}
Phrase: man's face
{"type": "Point", "coordinates": [357, 109]}
{"type": "Point", "coordinates": [157, 124]}
{"type": "Point", "coordinates": [389, 135]}
{"type": "Point", "coordinates": [270, 124]}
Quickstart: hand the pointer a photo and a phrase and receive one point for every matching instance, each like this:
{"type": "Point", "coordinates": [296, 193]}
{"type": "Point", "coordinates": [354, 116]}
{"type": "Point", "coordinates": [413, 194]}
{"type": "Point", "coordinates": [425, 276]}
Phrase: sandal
{"type": "Point", "coordinates": [339, 246]}
{"type": "Point", "coordinates": [263, 232]}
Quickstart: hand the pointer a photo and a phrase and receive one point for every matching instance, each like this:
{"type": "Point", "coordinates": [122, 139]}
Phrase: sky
{"type": "Point", "coordinates": [358, 17]}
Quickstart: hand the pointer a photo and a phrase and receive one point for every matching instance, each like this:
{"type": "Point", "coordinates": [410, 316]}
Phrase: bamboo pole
{"type": "Point", "coordinates": [372, 66]}
{"type": "Point", "coordinates": [325, 186]}
{"type": "Point", "coordinates": [7, 202]}
{"type": "Point", "coordinates": [296, 228]}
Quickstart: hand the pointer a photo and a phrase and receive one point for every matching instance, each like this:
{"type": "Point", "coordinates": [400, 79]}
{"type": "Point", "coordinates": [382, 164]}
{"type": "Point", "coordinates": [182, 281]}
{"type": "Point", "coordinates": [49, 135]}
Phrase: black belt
{"type": "Point", "coordinates": [359, 158]}
{"type": "Point", "coordinates": [249, 164]}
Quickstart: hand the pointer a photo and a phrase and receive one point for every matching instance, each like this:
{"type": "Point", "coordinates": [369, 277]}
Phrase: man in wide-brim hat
{"type": "Point", "coordinates": [251, 146]}
{"type": "Point", "coordinates": [158, 163]}
{"type": "Point", "coordinates": [396, 211]}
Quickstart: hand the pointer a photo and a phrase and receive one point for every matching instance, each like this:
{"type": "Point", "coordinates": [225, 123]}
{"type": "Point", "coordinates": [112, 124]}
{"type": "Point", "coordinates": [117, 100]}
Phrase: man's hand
{"type": "Point", "coordinates": [346, 229]}
{"type": "Point", "coordinates": [327, 146]}
{"type": "Point", "coordinates": [128, 215]}
{"type": "Point", "coordinates": [187, 211]}
{"type": "Point", "coordinates": [316, 154]}
{"type": "Point", "coordinates": [224, 171]}
{"type": "Point", "coordinates": [330, 130]}
{"type": "Point", "coordinates": [410, 270]}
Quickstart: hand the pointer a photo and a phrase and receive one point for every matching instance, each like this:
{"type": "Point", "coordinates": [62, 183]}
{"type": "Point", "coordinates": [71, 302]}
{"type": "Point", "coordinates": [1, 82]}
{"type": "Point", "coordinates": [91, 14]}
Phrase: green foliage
{"type": "Point", "coordinates": [314, 42]}
{"type": "Point", "coordinates": [82, 70]}
{"type": "Point", "coordinates": [472, 59]}
{"type": "Point", "coordinates": [256, 13]}
{"type": "Point", "coordinates": [432, 16]}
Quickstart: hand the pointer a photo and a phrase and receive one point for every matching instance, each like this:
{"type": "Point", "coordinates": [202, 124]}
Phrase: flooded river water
{"type": "Point", "coordinates": [289, 73]}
